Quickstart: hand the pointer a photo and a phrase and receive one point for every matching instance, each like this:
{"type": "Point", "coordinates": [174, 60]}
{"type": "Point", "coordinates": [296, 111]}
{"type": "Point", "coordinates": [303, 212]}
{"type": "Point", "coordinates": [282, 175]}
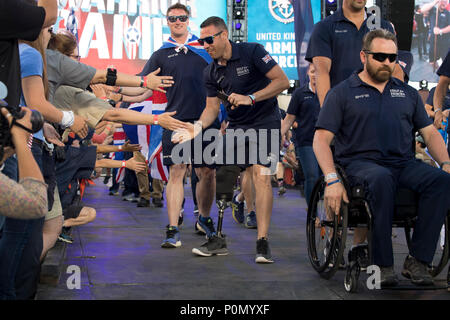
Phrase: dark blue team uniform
{"type": "Point", "coordinates": [375, 142]}
{"type": "Point", "coordinates": [337, 38]}
{"type": "Point", "coordinates": [245, 74]}
{"type": "Point", "coordinates": [305, 106]}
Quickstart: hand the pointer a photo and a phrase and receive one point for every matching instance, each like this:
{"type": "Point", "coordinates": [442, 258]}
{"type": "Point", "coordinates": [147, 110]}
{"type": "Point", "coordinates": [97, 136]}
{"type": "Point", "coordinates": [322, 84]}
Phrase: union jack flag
{"type": "Point", "coordinates": [150, 136]}
{"type": "Point", "coordinates": [119, 139]}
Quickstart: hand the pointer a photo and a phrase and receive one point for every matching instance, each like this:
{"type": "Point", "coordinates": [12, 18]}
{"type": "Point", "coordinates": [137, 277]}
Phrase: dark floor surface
{"type": "Point", "coordinates": [120, 257]}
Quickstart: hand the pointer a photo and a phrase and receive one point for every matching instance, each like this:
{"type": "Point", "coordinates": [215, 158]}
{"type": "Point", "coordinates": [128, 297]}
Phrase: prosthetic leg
{"type": "Point", "coordinates": [225, 179]}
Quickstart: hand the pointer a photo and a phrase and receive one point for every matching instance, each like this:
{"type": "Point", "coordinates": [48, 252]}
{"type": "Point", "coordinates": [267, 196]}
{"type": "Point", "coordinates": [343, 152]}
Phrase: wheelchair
{"type": "Point", "coordinates": [327, 233]}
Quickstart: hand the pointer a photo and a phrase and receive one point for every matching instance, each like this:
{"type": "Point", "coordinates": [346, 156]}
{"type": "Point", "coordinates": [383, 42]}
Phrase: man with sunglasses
{"type": "Point", "coordinates": [247, 80]}
{"type": "Point", "coordinates": [373, 117]}
{"type": "Point", "coordinates": [183, 58]}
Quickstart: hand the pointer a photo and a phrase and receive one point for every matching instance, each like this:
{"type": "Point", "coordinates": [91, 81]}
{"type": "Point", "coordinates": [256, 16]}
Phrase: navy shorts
{"type": "Point", "coordinates": [190, 152]}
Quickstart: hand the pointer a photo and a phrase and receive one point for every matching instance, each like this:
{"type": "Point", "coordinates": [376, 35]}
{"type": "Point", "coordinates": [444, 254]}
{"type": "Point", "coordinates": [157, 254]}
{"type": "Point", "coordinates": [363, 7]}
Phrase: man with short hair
{"type": "Point", "coordinates": [252, 80]}
{"type": "Point", "coordinates": [184, 59]}
{"type": "Point", "coordinates": [373, 117]}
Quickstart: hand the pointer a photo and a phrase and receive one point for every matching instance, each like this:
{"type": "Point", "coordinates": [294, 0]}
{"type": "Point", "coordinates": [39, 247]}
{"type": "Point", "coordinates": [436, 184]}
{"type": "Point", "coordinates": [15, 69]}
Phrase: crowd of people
{"type": "Point", "coordinates": [357, 96]}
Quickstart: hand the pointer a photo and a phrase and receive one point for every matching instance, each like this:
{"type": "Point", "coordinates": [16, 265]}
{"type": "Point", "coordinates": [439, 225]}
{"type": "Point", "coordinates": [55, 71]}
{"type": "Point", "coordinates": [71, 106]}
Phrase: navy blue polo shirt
{"type": "Point", "coordinates": [446, 104]}
{"type": "Point", "coordinates": [245, 73]}
{"type": "Point", "coordinates": [305, 106]}
{"type": "Point", "coordinates": [444, 69]}
{"type": "Point", "coordinates": [370, 125]}
{"type": "Point", "coordinates": [337, 38]}
{"type": "Point", "coordinates": [187, 96]}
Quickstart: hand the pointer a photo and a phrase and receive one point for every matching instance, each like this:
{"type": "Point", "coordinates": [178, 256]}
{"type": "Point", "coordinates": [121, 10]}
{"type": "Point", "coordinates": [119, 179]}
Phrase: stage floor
{"type": "Point", "coordinates": [120, 257]}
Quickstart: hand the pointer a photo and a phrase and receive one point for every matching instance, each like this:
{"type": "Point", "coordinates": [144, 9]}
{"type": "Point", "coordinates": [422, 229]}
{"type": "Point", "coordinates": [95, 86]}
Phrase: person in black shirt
{"type": "Point", "coordinates": [421, 32]}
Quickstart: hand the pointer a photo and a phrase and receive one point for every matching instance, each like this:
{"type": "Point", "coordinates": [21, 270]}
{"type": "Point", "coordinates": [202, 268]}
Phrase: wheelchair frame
{"type": "Point", "coordinates": [357, 213]}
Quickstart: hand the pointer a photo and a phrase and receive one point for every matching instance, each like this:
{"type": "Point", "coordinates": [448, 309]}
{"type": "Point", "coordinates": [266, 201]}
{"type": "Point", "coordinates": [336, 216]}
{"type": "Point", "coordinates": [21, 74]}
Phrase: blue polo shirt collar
{"type": "Point", "coordinates": [355, 80]}
{"type": "Point", "coordinates": [234, 53]}
{"type": "Point", "coordinates": [339, 16]}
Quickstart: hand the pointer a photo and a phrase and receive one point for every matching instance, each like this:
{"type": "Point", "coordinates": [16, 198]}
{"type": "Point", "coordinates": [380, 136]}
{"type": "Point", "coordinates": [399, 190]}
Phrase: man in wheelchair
{"type": "Point", "coordinates": [373, 118]}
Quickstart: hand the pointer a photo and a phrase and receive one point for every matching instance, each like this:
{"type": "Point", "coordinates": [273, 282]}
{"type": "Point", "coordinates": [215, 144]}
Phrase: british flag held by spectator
{"type": "Point", "coordinates": [150, 136]}
{"type": "Point", "coordinates": [118, 140]}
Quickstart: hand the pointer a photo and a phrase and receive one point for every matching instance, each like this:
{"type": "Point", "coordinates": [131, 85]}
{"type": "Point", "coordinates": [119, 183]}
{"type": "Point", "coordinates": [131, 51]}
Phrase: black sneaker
{"type": "Point", "coordinates": [65, 235]}
{"type": "Point", "coordinates": [214, 246]}
{"type": "Point", "coordinates": [263, 254]}
{"type": "Point", "coordinates": [417, 271]}
{"type": "Point", "coordinates": [143, 203]}
{"type": "Point", "coordinates": [157, 202]}
{"type": "Point", "coordinates": [388, 278]}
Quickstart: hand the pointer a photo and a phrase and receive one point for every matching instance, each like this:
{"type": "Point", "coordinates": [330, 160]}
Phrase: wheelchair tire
{"type": "Point", "coordinates": [325, 260]}
{"type": "Point", "coordinates": [351, 282]}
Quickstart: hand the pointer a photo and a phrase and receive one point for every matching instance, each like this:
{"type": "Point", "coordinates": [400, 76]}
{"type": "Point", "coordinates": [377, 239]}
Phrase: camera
{"type": "Point", "coordinates": [37, 121]}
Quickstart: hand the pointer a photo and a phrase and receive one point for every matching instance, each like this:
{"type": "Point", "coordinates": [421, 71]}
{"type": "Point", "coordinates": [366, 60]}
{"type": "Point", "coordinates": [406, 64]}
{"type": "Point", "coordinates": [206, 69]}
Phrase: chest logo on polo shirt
{"type": "Point", "coordinates": [397, 93]}
{"type": "Point", "coordinates": [341, 31]}
{"type": "Point", "coordinates": [241, 71]}
{"type": "Point", "coordinates": [361, 96]}
{"type": "Point", "coordinates": [172, 55]}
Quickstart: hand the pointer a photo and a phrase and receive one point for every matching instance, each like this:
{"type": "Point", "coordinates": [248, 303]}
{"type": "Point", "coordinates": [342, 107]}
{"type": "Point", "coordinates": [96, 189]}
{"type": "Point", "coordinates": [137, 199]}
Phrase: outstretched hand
{"type": "Point", "coordinates": [166, 120]}
{"type": "Point", "coordinates": [157, 82]}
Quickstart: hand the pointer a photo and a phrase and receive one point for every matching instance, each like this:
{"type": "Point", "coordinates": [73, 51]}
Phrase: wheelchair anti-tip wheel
{"type": "Point", "coordinates": [326, 233]}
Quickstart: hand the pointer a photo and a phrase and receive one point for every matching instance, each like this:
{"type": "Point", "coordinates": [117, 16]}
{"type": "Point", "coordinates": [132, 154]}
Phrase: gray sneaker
{"type": "Point", "coordinates": [417, 271]}
{"type": "Point", "coordinates": [263, 254]}
{"type": "Point", "coordinates": [388, 277]}
{"type": "Point", "coordinates": [214, 246]}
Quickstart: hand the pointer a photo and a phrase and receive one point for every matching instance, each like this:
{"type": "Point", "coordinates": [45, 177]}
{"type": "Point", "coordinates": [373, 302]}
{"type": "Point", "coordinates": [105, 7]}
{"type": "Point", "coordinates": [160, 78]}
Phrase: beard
{"type": "Point", "coordinates": [379, 75]}
{"type": "Point", "coordinates": [356, 6]}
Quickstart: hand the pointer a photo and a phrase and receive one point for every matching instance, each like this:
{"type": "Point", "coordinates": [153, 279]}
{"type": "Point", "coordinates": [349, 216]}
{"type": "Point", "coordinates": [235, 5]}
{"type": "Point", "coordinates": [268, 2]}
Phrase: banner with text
{"type": "Point", "coordinates": [271, 23]}
{"type": "Point", "coordinates": [125, 33]}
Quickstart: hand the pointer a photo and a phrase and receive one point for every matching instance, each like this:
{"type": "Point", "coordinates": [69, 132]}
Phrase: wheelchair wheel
{"type": "Point", "coordinates": [326, 233]}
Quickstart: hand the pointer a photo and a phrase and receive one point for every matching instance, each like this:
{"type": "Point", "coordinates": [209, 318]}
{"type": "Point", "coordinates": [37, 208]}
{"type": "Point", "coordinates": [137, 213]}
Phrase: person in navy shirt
{"type": "Point", "coordinates": [373, 118]}
{"type": "Point", "coordinates": [182, 58]}
{"type": "Point", "coordinates": [304, 107]}
{"type": "Point", "coordinates": [335, 44]}
{"type": "Point", "coordinates": [440, 91]}
{"type": "Point", "coordinates": [252, 80]}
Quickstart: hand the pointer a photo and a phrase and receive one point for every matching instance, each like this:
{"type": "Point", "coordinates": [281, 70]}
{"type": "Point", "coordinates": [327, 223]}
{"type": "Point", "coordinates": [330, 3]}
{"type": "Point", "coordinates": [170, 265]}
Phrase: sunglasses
{"type": "Point", "coordinates": [208, 40]}
{"type": "Point", "coordinates": [173, 19]}
{"type": "Point", "coordinates": [381, 57]}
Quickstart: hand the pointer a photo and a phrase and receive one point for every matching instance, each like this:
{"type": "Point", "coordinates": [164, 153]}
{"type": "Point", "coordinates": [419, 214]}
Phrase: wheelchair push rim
{"type": "Point", "coordinates": [326, 237]}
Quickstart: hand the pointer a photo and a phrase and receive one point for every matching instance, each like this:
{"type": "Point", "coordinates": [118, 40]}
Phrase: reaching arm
{"type": "Point", "coordinates": [436, 145]}
{"type": "Point", "coordinates": [323, 84]}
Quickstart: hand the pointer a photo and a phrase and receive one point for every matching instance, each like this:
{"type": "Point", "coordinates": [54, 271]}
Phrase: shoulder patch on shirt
{"type": "Point", "coordinates": [397, 93]}
{"type": "Point", "coordinates": [402, 63]}
{"type": "Point", "coordinates": [267, 58]}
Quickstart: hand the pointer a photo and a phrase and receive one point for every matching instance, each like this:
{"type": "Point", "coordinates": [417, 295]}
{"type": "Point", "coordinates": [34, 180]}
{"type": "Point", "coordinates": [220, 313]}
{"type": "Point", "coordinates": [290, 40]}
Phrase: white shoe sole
{"type": "Point", "coordinates": [263, 260]}
{"type": "Point", "coordinates": [171, 245]}
{"type": "Point", "coordinates": [203, 254]}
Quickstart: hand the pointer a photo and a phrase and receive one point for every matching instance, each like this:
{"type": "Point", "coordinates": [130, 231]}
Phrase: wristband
{"type": "Point", "coordinates": [120, 148]}
{"type": "Point", "coordinates": [252, 97]}
{"type": "Point", "coordinates": [118, 90]}
{"type": "Point", "coordinates": [155, 119]}
{"type": "Point", "coordinates": [103, 98]}
{"type": "Point", "coordinates": [333, 182]}
{"type": "Point", "coordinates": [444, 163]}
{"type": "Point", "coordinates": [142, 82]}
{"type": "Point", "coordinates": [111, 77]}
{"type": "Point", "coordinates": [145, 82]}
{"type": "Point", "coordinates": [124, 164]}
{"type": "Point", "coordinates": [331, 176]}
{"type": "Point", "coordinates": [67, 119]}
{"type": "Point", "coordinates": [438, 109]}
